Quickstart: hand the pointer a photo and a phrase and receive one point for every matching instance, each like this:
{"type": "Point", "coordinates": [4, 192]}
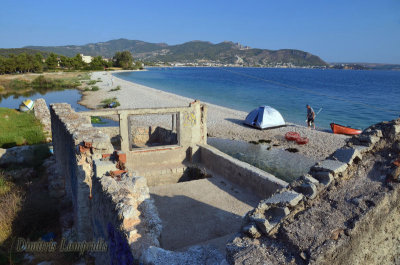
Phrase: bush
{"type": "Point", "coordinates": [110, 103]}
{"type": "Point", "coordinates": [115, 89]}
{"type": "Point", "coordinates": [92, 82]}
{"type": "Point", "coordinates": [95, 88]}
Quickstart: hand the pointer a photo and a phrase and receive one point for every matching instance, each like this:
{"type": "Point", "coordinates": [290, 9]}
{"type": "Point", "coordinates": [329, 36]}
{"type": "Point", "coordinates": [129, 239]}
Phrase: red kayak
{"type": "Point", "coordinates": [340, 129]}
{"type": "Point", "coordinates": [292, 136]}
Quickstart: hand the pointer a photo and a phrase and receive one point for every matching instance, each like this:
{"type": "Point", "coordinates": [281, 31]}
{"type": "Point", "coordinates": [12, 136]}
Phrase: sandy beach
{"type": "Point", "coordinates": [221, 122]}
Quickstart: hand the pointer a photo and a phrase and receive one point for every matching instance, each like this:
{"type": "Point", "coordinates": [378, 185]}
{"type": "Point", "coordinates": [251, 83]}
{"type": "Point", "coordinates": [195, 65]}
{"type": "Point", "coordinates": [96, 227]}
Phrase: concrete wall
{"type": "Point", "coordinates": [191, 130]}
{"type": "Point", "coordinates": [152, 136]}
{"type": "Point", "coordinates": [241, 173]}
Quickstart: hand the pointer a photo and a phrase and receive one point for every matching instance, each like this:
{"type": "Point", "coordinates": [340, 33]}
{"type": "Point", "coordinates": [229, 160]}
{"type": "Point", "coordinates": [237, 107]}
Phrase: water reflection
{"type": "Point", "coordinates": [283, 164]}
{"type": "Point", "coordinates": [70, 96]}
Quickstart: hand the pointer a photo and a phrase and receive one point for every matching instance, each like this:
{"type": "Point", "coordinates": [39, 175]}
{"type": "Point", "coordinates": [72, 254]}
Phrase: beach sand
{"type": "Point", "coordinates": [221, 122]}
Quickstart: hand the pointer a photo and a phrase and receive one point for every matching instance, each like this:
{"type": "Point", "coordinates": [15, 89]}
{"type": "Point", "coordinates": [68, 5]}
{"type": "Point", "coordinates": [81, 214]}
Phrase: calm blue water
{"type": "Point", "coordinates": [353, 98]}
{"type": "Point", "coordinates": [70, 96]}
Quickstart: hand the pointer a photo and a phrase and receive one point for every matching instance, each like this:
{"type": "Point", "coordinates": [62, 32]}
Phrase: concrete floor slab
{"type": "Point", "coordinates": [201, 210]}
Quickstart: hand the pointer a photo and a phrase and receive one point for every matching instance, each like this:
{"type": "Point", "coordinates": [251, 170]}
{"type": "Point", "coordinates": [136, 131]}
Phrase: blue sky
{"type": "Point", "coordinates": [337, 31]}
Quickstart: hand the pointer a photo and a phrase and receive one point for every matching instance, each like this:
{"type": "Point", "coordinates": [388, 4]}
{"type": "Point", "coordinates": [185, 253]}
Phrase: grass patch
{"type": "Point", "coordinates": [110, 103]}
{"type": "Point", "coordinates": [91, 82]}
{"type": "Point", "coordinates": [96, 120]}
{"type": "Point", "coordinates": [115, 89]}
{"type": "Point", "coordinates": [93, 88]}
{"type": "Point", "coordinates": [19, 128]}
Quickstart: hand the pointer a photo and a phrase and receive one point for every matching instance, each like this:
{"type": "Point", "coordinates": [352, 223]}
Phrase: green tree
{"type": "Point", "coordinates": [65, 62]}
{"type": "Point", "coordinates": [77, 62]}
{"type": "Point", "coordinates": [138, 65]}
{"type": "Point", "coordinates": [2, 65]}
{"type": "Point", "coordinates": [11, 64]}
{"type": "Point", "coordinates": [52, 61]}
{"type": "Point", "coordinates": [123, 59]}
{"type": "Point", "coordinates": [38, 63]}
{"type": "Point", "coordinates": [97, 63]}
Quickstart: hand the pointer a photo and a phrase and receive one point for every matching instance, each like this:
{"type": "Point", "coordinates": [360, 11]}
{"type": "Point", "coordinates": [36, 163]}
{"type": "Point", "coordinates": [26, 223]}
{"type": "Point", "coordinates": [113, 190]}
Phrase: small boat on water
{"type": "Point", "coordinates": [26, 105]}
{"type": "Point", "coordinates": [340, 129]}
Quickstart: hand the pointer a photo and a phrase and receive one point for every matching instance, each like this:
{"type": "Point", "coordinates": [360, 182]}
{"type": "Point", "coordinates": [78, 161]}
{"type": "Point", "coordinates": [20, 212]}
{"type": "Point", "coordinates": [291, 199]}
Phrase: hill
{"type": "Point", "coordinates": [16, 51]}
{"type": "Point", "coordinates": [198, 52]}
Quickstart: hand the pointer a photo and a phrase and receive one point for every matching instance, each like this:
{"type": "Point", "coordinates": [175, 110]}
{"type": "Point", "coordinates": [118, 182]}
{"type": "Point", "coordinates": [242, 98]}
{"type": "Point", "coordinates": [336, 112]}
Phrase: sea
{"type": "Point", "coordinates": [352, 98]}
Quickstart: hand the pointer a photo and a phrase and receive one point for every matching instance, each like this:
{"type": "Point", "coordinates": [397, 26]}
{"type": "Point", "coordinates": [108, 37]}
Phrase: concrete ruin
{"type": "Point", "coordinates": [171, 199]}
{"type": "Point", "coordinates": [163, 196]}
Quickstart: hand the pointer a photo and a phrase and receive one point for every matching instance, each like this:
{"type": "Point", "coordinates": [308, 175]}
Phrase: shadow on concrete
{"type": "Point", "coordinates": [201, 210]}
{"type": "Point", "coordinates": [188, 222]}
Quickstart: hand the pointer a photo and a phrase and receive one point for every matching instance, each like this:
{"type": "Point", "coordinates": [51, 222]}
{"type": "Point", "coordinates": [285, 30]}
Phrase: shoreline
{"type": "Point", "coordinates": [222, 122]}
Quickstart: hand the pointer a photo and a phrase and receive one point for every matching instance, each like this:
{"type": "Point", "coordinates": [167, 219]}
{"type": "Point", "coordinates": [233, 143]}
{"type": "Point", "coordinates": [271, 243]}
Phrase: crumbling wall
{"type": "Point", "coordinates": [123, 212]}
{"type": "Point", "coordinates": [75, 144]}
{"type": "Point", "coordinates": [343, 212]}
{"type": "Point", "coordinates": [112, 207]}
{"type": "Point", "coordinates": [42, 113]}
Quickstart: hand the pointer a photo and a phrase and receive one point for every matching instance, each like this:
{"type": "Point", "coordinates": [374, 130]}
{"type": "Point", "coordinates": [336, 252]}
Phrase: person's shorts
{"type": "Point", "coordinates": [310, 121]}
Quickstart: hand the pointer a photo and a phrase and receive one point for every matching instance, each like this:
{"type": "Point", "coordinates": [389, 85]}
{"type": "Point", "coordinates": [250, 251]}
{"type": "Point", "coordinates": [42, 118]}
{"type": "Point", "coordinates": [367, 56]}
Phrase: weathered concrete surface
{"type": "Point", "coordinates": [196, 211]}
{"type": "Point", "coordinates": [347, 155]}
{"type": "Point", "coordinates": [253, 179]}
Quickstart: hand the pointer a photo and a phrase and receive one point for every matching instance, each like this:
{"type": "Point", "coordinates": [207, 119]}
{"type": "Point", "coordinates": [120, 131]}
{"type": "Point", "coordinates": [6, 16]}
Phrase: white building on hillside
{"type": "Point", "coordinates": [86, 58]}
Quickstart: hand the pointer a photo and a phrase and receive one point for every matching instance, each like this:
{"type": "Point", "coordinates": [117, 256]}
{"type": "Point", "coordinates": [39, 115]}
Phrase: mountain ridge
{"type": "Point", "coordinates": [197, 51]}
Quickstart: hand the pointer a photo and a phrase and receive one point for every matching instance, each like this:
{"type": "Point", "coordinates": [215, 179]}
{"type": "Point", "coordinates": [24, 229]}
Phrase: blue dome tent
{"type": "Point", "coordinates": [264, 117]}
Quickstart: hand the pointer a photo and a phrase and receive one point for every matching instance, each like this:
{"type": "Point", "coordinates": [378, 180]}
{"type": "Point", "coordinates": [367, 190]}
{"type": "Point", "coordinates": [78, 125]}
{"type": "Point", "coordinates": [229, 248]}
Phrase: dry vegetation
{"type": "Point", "coordinates": [23, 83]}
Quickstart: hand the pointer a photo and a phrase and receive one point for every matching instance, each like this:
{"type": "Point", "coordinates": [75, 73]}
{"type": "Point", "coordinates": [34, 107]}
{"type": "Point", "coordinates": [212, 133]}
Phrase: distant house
{"type": "Point", "coordinates": [86, 58]}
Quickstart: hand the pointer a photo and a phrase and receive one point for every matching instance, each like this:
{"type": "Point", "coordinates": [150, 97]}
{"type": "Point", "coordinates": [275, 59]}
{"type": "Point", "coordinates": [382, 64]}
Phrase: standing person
{"type": "Point", "coordinates": [310, 116]}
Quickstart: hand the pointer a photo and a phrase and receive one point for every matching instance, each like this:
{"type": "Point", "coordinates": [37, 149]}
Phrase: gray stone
{"type": "Point", "coordinates": [308, 189]}
{"type": "Point", "coordinates": [347, 155]}
{"type": "Point", "coordinates": [251, 230]}
{"type": "Point", "coordinates": [369, 139]}
{"type": "Point", "coordinates": [395, 130]}
{"type": "Point", "coordinates": [324, 177]}
{"type": "Point", "coordinates": [333, 166]}
{"type": "Point", "coordinates": [291, 198]}
{"type": "Point", "coordinates": [262, 223]}
{"type": "Point", "coordinates": [361, 148]}
{"type": "Point", "coordinates": [102, 167]}
{"type": "Point", "coordinates": [275, 214]}
{"type": "Point", "coordinates": [309, 179]}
